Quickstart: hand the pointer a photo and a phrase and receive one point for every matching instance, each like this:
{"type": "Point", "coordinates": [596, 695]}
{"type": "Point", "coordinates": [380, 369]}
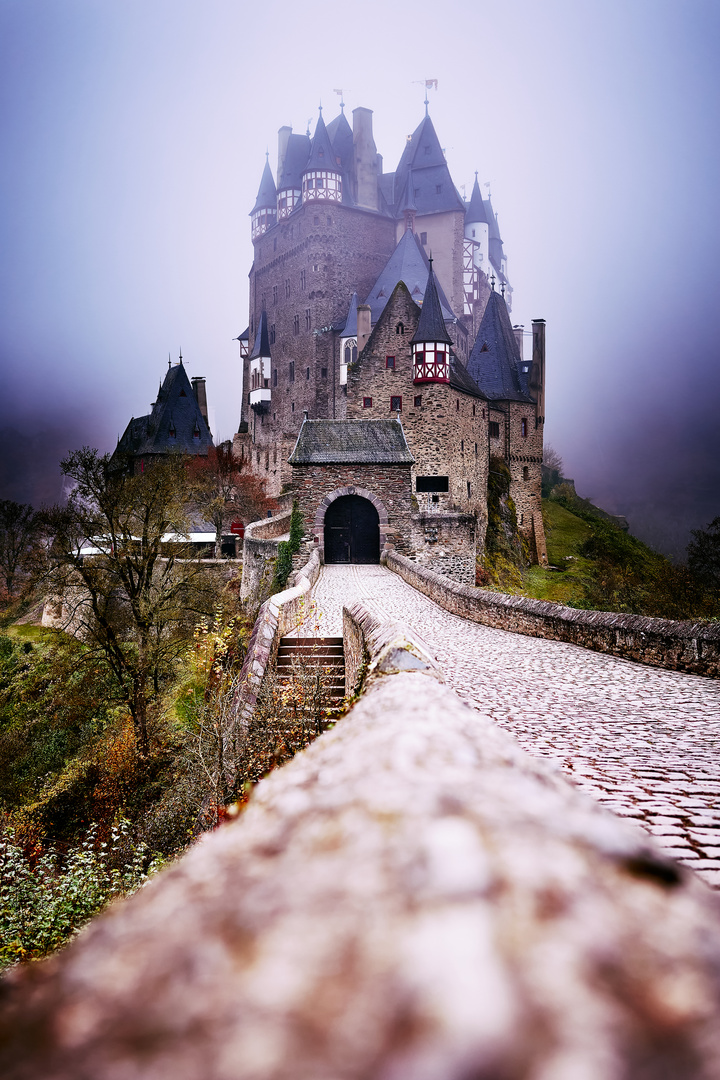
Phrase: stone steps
{"type": "Point", "coordinates": [309, 653]}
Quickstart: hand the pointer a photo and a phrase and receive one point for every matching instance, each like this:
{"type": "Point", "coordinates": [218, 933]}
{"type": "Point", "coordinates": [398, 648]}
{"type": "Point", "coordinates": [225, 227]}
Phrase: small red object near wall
{"type": "Point", "coordinates": [237, 528]}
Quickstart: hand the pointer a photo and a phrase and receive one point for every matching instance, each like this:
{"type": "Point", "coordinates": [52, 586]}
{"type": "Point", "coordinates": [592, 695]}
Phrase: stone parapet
{"type": "Point", "coordinates": [411, 896]}
{"type": "Point", "coordinates": [679, 646]}
{"type": "Point", "coordinates": [260, 549]}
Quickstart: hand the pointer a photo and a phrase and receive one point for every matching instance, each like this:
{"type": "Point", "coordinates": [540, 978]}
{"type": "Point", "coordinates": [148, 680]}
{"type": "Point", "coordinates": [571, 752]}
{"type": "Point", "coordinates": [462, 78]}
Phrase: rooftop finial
{"type": "Point", "coordinates": [169, 362]}
{"type": "Point", "coordinates": [342, 103]}
{"type": "Point", "coordinates": [267, 156]}
{"type": "Point", "coordinates": [492, 282]}
{"type": "Point", "coordinates": [320, 108]}
{"type": "Point", "coordinates": [430, 260]}
{"type": "Point", "coordinates": [181, 355]}
{"type": "Point", "coordinates": [502, 288]}
{"type": "Point", "coordinates": [476, 172]}
{"type": "Point", "coordinates": [308, 127]}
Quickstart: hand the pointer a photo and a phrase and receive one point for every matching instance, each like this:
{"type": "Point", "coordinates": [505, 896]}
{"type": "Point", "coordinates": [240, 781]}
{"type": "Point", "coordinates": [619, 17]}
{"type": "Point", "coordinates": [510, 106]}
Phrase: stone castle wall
{"type": "Point", "coordinates": [447, 544]}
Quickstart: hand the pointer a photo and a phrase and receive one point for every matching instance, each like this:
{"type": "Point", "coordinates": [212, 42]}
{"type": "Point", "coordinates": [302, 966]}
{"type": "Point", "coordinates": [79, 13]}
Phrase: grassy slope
{"type": "Point", "coordinates": [565, 533]}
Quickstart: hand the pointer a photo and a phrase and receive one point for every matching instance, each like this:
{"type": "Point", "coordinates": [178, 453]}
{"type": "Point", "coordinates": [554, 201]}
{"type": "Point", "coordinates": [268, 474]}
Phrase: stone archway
{"type": "Point", "coordinates": [359, 494]}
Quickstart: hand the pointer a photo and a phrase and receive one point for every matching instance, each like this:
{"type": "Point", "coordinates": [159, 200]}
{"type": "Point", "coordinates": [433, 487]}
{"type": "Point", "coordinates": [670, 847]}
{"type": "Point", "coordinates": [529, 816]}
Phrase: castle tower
{"type": "Point", "coordinates": [259, 369]}
{"type": "Point", "coordinates": [431, 341]}
{"type": "Point", "coordinates": [264, 213]}
{"type": "Point", "coordinates": [477, 228]}
{"type": "Point", "coordinates": [322, 176]}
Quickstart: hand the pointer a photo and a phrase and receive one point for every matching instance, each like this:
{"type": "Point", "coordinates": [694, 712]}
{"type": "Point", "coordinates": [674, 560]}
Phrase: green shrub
{"type": "Point", "coordinates": [286, 550]}
{"type": "Point", "coordinates": [45, 901]}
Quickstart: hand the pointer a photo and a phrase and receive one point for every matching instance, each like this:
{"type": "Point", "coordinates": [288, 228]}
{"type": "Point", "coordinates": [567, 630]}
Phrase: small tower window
{"type": "Point", "coordinates": [287, 288]}
{"type": "Point", "coordinates": [400, 328]}
{"type": "Point", "coordinates": [291, 371]}
{"type": "Point", "coordinates": [390, 362]}
{"type": "Point", "coordinates": [526, 474]}
{"type": "Point", "coordinates": [275, 377]}
{"type": "Point", "coordinates": [272, 333]}
{"type": "Point", "coordinates": [367, 403]}
{"type": "Point", "coordinates": [469, 489]}
{"type": "Point", "coordinates": [302, 279]}
{"type": "Point", "coordinates": [350, 351]}
{"type": "Point", "coordinates": [418, 401]}
{"type": "Point", "coordinates": [296, 324]}
{"type": "Point", "coordinates": [457, 404]}
{"type": "Point", "coordinates": [524, 427]}
{"type": "Point", "coordinates": [323, 373]}
{"type": "Point", "coordinates": [308, 319]}
{"type": "Point", "coordinates": [307, 373]}
{"type": "Point", "coordinates": [171, 431]}
{"type": "Point", "coordinates": [396, 403]}
{"type": "Point", "coordinates": [196, 431]}
{"type": "Point", "coordinates": [275, 294]}
{"type": "Point", "coordinates": [494, 429]}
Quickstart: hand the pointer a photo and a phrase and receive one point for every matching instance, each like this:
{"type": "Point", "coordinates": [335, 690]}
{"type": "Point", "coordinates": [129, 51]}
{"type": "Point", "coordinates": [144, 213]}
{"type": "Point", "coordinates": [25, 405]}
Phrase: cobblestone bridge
{"type": "Point", "coordinates": [642, 741]}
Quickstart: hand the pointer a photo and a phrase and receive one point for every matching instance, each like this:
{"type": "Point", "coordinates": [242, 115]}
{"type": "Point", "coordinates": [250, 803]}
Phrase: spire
{"type": "Point", "coordinates": [350, 327]}
{"type": "Point", "coordinates": [494, 362]}
{"type": "Point", "coordinates": [476, 212]}
{"type": "Point", "coordinates": [267, 193]}
{"type": "Point", "coordinates": [322, 155]}
{"type": "Point", "coordinates": [262, 341]}
{"type": "Point", "coordinates": [431, 326]}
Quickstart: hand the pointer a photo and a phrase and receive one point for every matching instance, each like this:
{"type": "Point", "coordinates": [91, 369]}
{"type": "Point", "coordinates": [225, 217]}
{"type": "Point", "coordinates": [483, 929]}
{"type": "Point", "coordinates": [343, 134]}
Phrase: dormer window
{"type": "Point", "coordinates": [172, 433]}
{"type": "Point", "coordinates": [196, 431]}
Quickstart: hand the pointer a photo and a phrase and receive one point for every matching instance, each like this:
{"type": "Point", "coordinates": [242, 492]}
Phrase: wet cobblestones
{"type": "Point", "coordinates": [644, 742]}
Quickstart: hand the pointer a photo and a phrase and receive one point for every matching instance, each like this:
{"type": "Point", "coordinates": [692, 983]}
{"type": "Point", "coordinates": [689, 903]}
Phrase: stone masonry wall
{"type": "Point", "coordinates": [447, 544]}
{"type": "Point", "coordinates": [446, 430]}
{"type": "Point", "coordinates": [680, 646]}
{"type": "Point", "coordinates": [411, 896]}
{"type": "Point", "coordinates": [390, 484]}
{"type": "Point", "coordinates": [260, 548]}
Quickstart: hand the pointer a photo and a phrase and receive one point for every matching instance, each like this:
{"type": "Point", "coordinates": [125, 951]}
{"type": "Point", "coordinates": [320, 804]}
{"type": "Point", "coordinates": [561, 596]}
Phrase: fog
{"type": "Point", "coordinates": [134, 137]}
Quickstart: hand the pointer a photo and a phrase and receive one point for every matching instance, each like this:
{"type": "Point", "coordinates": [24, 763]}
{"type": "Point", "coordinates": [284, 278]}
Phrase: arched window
{"type": "Point", "coordinates": [400, 328]}
{"type": "Point", "coordinates": [526, 474]}
{"type": "Point", "coordinates": [350, 352]}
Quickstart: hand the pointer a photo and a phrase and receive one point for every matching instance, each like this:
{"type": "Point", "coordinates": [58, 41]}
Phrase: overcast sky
{"type": "Point", "coordinates": [134, 134]}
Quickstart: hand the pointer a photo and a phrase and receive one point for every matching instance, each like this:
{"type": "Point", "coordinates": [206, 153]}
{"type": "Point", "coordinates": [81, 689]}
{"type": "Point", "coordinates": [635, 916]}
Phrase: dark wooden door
{"type": "Point", "coordinates": [352, 531]}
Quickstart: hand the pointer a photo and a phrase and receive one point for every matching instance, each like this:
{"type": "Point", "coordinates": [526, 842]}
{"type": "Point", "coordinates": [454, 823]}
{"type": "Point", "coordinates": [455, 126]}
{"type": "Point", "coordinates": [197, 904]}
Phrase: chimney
{"type": "Point", "coordinates": [518, 332]}
{"type": "Point", "coordinates": [198, 385]}
{"type": "Point", "coordinates": [365, 159]}
{"type": "Point", "coordinates": [363, 324]}
{"type": "Point", "coordinates": [537, 371]}
{"type": "Point", "coordinates": [284, 134]}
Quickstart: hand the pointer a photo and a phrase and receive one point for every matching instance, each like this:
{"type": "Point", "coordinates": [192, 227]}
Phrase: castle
{"type": "Point", "coordinates": [385, 295]}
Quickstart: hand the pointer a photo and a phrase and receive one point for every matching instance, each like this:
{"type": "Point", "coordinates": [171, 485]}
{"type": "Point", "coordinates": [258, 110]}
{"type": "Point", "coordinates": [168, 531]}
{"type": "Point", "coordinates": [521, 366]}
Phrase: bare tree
{"type": "Point", "coordinates": [128, 599]}
{"type": "Point", "coordinates": [225, 489]}
{"type": "Point", "coordinates": [19, 529]}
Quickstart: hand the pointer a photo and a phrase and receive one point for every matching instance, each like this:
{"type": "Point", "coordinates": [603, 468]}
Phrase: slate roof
{"type": "Point", "coordinates": [351, 442]}
{"type": "Point", "coordinates": [322, 154]}
{"type": "Point", "coordinates": [431, 325]}
{"type": "Point", "coordinates": [408, 263]}
{"type": "Point", "coordinates": [494, 362]}
{"type": "Point", "coordinates": [341, 137]}
{"type": "Point", "coordinates": [350, 327]}
{"type": "Point", "coordinates": [176, 409]}
{"type": "Point", "coordinates": [476, 211]}
{"type": "Point", "coordinates": [262, 341]}
{"type": "Point", "coordinates": [296, 156]}
{"type": "Point", "coordinates": [424, 157]}
{"type": "Point", "coordinates": [267, 193]}
{"type": "Point", "coordinates": [461, 379]}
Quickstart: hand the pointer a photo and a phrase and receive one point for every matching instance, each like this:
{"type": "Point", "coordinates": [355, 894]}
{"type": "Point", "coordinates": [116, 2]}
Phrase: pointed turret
{"type": "Point", "coordinates": [433, 189]}
{"type": "Point", "coordinates": [476, 213]}
{"type": "Point", "coordinates": [264, 213]}
{"type": "Point", "coordinates": [431, 341]}
{"type": "Point", "coordinates": [477, 229]}
{"type": "Point", "coordinates": [293, 153]}
{"type": "Point", "coordinates": [494, 362]}
{"type": "Point", "coordinates": [349, 339]}
{"type": "Point", "coordinates": [322, 177]}
{"type": "Point", "coordinates": [410, 264]}
{"type": "Point", "coordinates": [260, 363]}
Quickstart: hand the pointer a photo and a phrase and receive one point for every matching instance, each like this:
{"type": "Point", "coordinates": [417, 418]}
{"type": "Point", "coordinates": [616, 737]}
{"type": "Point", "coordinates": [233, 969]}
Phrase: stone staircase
{"type": "Point", "coordinates": [298, 657]}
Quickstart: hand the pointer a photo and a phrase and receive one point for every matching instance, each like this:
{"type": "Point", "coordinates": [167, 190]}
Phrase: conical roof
{"type": "Point", "coordinates": [267, 193]}
{"type": "Point", "coordinates": [322, 155]}
{"type": "Point", "coordinates": [409, 264]}
{"type": "Point", "coordinates": [494, 362]}
{"type": "Point", "coordinates": [296, 156]}
{"type": "Point", "coordinates": [476, 212]}
{"type": "Point", "coordinates": [350, 327]}
{"type": "Point", "coordinates": [262, 341]}
{"type": "Point", "coordinates": [433, 190]}
{"type": "Point", "coordinates": [431, 326]}
{"type": "Point", "coordinates": [341, 137]}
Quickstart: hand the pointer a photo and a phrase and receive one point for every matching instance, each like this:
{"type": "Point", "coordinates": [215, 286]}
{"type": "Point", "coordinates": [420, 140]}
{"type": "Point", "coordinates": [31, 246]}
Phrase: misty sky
{"type": "Point", "coordinates": [133, 139]}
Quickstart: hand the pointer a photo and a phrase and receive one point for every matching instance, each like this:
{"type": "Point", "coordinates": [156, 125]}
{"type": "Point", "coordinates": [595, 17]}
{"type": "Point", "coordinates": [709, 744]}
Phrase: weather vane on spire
{"type": "Point", "coordinates": [342, 103]}
{"type": "Point", "coordinates": [427, 84]}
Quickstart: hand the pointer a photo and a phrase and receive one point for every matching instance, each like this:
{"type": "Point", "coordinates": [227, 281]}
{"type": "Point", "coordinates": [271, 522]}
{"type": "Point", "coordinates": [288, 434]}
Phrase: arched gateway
{"type": "Point", "coordinates": [351, 531]}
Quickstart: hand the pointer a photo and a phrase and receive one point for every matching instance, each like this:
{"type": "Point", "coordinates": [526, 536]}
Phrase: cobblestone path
{"type": "Point", "coordinates": [643, 741]}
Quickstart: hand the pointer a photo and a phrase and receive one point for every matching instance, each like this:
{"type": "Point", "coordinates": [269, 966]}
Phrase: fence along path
{"type": "Point", "coordinates": [643, 741]}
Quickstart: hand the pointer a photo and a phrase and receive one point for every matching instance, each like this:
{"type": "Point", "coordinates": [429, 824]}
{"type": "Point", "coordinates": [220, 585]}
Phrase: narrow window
{"type": "Point", "coordinates": [389, 361]}
{"type": "Point", "coordinates": [396, 403]}
{"type": "Point", "coordinates": [423, 238]}
{"type": "Point", "coordinates": [292, 407]}
{"type": "Point", "coordinates": [172, 432]}
{"type": "Point", "coordinates": [287, 288]}
{"type": "Point", "coordinates": [275, 377]}
{"type": "Point", "coordinates": [307, 373]}
{"type": "Point", "coordinates": [418, 401]}
{"type": "Point", "coordinates": [323, 373]}
{"type": "Point", "coordinates": [291, 371]}
{"type": "Point", "coordinates": [494, 430]}
{"type": "Point", "coordinates": [438, 189]}
{"type": "Point", "coordinates": [316, 219]}
{"type": "Point", "coordinates": [462, 446]}
{"type": "Point", "coordinates": [473, 410]}
{"type": "Point", "coordinates": [523, 428]}
{"type": "Point", "coordinates": [196, 432]}
{"type": "Point", "coordinates": [296, 324]}
{"type": "Point", "coordinates": [367, 403]}
{"type": "Point", "coordinates": [526, 474]}
{"type": "Point", "coordinates": [329, 220]}
{"type": "Point", "coordinates": [308, 320]}
{"type": "Point", "coordinates": [468, 488]}
{"type": "Point", "coordinates": [274, 294]}
{"type": "Point", "coordinates": [272, 333]}
{"type": "Point", "coordinates": [400, 328]}
{"type": "Point", "coordinates": [475, 449]}
{"type": "Point", "coordinates": [457, 404]}
{"type": "Point", "coordinates": [302, 279]}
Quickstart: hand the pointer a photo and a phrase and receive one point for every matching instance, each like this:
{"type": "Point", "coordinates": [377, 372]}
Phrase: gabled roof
{"type": "Point", "coordinates": [267, 193]}
{"type": "Point", "coordinates": [296, 156]}
{"type": "Point", "coordinates": [460, 379]}
{"type": "Point", "coordinates": [476, 211]}
{"type": "Point", "coordinates": [176, 410]}
{"type": "Point", "coordinates": [431, 325]}
{"type": "Point", "coordinates": [341, 137]}
{"type": "Point", "coordinates": [494, 362]}
{"type": "Point", "coordinates": [351, 442]}
{"type": "Point", "coordinates": [350, 327]}
{"type": "Point", "coordinates": [322, 155]}
{"type": "Point", "coordinates": [408, 263]}
{"type": "Point", "coordinates": [262, 341]}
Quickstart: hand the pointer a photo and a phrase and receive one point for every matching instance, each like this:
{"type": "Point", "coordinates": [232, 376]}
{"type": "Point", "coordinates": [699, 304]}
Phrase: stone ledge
{"type": "Point", "coordinates": [680, 646]}
{"type": "Point", "coordinates": [411, 897]}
